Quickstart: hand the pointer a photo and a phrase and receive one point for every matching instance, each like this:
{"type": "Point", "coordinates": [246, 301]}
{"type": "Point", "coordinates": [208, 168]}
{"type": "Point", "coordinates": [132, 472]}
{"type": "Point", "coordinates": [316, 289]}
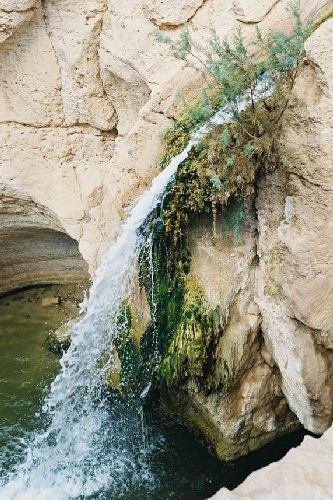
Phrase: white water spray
{"type": "Point", "coordinates": [86, 451]}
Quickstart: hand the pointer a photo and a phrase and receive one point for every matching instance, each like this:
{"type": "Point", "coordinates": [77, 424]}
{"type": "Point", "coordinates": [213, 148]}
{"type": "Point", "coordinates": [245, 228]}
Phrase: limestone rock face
{"type": "Point", "coordinates": [13, 14]}
{"type": "Point", "coordinates": [295, 241]}
{"type": "Point", "coordinates": [170, 13]}
{"type": "Point", "coordinates": [251, 12]}
{"type": "Point", "coordinates": [57, 125]}
{"type": "Point", "coordinates": [85, 94]}
{"type": "Point", "coordinates": [34, 248]}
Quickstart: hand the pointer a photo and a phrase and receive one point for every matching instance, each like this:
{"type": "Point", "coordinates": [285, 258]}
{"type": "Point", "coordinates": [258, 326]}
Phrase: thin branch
{"type": "Point", "coordinates": [293, 78]}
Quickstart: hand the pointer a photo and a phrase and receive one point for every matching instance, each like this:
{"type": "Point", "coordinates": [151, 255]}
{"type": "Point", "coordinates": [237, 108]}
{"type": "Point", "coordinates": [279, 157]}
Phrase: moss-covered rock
{"type": "Point", "coordinates": [189, 347]}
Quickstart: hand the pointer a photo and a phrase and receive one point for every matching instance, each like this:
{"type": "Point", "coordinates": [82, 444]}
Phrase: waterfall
{"type": "Point", "coordinates": [90, 441]}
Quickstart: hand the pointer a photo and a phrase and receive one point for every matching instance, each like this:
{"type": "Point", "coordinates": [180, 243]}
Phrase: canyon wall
{"type": "Point", "coordinates": [85, 94]}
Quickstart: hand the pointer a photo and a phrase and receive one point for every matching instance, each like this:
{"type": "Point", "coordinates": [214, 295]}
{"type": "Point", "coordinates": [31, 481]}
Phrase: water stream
{"type": "Point", "coordinates": [91, 444]}
{"type": "Point", "coordinates": [180, 466]}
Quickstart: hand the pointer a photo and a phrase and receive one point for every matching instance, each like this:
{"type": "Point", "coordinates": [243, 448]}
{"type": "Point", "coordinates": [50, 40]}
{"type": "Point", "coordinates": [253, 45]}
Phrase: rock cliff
{"type": "Point", "coordinates": [85, 94]}
{"type": "Point", "coordinates": [305, 472]}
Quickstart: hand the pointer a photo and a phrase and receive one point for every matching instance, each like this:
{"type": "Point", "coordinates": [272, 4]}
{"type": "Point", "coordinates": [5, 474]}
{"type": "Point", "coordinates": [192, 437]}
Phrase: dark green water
{"type": "Point", "coordinates": [27, 367]}
{"type": "Point", "coordinates": [181, 464]}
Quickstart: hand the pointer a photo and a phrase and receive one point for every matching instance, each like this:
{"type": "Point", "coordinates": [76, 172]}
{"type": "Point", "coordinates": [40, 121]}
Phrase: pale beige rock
{"type": "Point", "coordinates": [58, 168]}
{"type": "Point", "coordinates": [251, 11]}
{"type": "Point", "coordinates": [295, 242]}
{"type": "Point", "coordinates": [17, 5]}
{"type": "Point", "coordinates": [13, 14]}
{"type": "Point", "coordinates": [34, 248]}
{"type": "Point", "coordinates": [305, 472]}
{"type": "Point", "coordinates": [43, 97]}
{"type": "Point", "coordinates": [30, 87]}
{"type": "Point", "coordinates": [74, 30]}
{"type": "Point", "coordinates": [127, 89]}
{"type": "Point", "coordinates": [170, 12]}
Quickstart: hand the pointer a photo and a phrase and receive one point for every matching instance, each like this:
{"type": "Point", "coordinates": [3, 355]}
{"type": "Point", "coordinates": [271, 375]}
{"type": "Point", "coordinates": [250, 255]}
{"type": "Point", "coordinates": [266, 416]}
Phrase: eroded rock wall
{"type": "Point", "coordinates": [287, 275]}
{"type": "Point", "coordinates": [34, 248]}
{"type": "Point", "coordinates": [244, 407]}
{"type": "Point", "coordinates": [295, 246]}
{"type": "Point", "coordinates": [86, 91]}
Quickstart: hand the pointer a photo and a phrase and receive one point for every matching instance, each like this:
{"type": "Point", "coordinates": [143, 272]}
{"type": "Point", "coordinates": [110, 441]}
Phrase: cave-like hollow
{"type": "Point", "coordinates": [34, 247]}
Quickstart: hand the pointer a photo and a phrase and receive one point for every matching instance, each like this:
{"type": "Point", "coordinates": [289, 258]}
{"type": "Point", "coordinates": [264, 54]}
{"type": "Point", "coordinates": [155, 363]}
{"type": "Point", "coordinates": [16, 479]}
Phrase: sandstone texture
{"type": "Point", "coordinates": [170, 13]}
{"type": "Point", "coordinates": [13, 14]}
{"type": "Point", "coordinates": [85, 94]}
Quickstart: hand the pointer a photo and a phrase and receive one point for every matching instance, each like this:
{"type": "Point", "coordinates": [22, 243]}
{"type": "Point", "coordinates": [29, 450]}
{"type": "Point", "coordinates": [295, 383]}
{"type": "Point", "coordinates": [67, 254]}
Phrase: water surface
{"type": "Point", "coordinates": [179, 465]}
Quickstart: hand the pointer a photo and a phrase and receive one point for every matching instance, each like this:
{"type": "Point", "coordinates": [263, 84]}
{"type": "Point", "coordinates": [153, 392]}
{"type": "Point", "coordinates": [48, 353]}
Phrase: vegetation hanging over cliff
{"type": "Point", "coordinates": [219, 174]}
{"type": "Point", "coordinates": [184, 329]}
{"type": "Point", "coordinates": [223, 168]}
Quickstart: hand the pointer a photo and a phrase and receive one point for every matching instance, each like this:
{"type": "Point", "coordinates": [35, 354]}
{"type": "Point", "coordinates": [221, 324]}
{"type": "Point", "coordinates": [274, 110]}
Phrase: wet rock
{"type": "Point", "coordinates": [50, 301]}
{"type": "Point", "coordinates": [60, 340]}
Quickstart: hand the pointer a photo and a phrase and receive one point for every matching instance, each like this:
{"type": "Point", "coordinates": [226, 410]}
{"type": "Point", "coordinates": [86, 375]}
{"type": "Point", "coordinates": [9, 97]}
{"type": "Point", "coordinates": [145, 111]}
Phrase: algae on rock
{"type": "Point", "coordinates": [191, 344]}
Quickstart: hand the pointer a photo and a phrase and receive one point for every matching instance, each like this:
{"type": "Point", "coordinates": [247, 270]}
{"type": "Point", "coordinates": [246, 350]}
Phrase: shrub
{"type": "Point", "coordinates": [223, 168]}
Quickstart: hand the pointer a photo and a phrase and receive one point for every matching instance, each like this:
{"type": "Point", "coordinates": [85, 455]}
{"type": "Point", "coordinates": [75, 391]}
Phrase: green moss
{"type": "Point", "coordinates": [59, 343]}
{"type": "Point", "coordinates": [189, 347]}
{"type": "Point", "coordinates": [128, 352]}
{"type": "Point", "coordinates": [322, 20]}
{"type": "Point", "coordinates": [183, 327]}
{"type": "Point", "coordinates": [165, 290]}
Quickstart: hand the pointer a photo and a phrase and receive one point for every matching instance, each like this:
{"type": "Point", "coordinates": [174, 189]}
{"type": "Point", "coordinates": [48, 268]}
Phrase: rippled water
{"type": "Point", "coordinates": [27, 367]}
{"type": "Point", "coordinates": [181, 466]}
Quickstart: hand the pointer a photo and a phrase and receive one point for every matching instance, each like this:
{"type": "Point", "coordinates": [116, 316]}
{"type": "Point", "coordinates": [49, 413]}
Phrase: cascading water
{"type": "Point", "coordinates": [90, 443]}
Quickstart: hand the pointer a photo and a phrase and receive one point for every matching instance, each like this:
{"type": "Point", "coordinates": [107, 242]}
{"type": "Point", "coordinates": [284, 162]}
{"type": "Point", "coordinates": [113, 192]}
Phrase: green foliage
{"type": "Point", "coordinates": [163, 277]}
{"type": "Point", "coordinates": [181, 48]}
{"type": "Point", "coordinates": [283, 52]}
{"type": "Point", "coordinates": [232, 221]}
{"type": "Point", "coordinates": [225, 166]}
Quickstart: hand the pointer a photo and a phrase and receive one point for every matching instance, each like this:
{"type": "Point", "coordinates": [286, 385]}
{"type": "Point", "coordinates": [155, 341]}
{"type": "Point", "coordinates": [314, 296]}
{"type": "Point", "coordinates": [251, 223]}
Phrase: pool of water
{"type": "Point", "coordinates": [181, 466]}
{"type": "Point", "coordinates": [27, 367]}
